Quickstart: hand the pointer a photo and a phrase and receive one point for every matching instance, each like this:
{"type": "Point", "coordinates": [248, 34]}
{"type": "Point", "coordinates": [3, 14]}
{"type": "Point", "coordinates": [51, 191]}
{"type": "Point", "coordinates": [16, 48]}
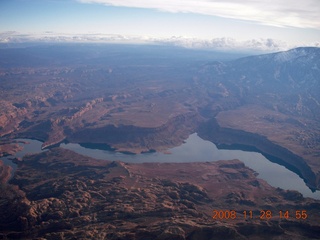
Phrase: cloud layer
{"type": "Point", "coordinates": [220, 44]}
{"type": "Point", "coordinates": [280, 13]}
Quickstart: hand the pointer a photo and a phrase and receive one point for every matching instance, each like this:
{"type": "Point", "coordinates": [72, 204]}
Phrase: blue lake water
{"type": "Point", "coordinates": [31, 146]}
{"type": "Point", "coordinates": [196, 149]}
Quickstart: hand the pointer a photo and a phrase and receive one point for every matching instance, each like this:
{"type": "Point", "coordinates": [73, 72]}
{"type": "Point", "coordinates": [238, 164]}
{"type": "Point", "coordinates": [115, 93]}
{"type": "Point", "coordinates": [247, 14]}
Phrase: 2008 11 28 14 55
{"type": "Point", "coordinates": [259, 214]}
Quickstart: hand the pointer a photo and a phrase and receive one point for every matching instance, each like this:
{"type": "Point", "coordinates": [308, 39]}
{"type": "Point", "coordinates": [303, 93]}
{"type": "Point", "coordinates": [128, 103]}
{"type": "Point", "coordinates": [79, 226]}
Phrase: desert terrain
{"type": "Point", "coordinates": [59, 194]}
{"type": "Point", "coordinates": [141, 99]}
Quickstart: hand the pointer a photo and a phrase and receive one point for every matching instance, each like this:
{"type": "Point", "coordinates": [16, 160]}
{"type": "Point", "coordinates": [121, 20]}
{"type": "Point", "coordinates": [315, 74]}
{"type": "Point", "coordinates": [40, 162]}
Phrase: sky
{"type": "Point", "coordinates": [269, 24]}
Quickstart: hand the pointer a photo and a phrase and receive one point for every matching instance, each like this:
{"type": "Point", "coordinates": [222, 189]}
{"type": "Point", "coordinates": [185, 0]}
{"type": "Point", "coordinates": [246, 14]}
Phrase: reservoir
{"type": "Point", "coordinates": [194, 149]}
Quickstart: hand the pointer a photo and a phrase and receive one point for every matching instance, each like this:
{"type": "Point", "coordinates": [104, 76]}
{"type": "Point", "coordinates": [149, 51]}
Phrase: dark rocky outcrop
{"type": "Point", "coordinates": [227, 138]}
{"type": "Point", "coordinates": [58, 194]}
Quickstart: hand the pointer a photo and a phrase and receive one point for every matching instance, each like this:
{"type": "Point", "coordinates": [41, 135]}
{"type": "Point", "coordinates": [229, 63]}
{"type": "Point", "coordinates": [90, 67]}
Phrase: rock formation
{"type": "Point", "coordinates": [59, 194]}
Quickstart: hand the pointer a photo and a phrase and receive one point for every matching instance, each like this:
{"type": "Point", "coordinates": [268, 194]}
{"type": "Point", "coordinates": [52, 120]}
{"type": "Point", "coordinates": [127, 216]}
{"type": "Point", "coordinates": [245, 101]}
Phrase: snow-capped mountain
{"type": "Point", "coordinates": [290, 79]}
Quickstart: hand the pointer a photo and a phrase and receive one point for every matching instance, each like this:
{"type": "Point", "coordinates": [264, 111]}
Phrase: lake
{"type": "Point", "coordinates": [194, 149]}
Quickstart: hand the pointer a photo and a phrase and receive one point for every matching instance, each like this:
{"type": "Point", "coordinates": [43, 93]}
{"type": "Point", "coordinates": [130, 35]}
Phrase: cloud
{"type": "Point", "coordinates": [228, 44]}
{"type": "Point", "coordinates": [223, 44]}
{"type": "Point", "coordinates": [280, 13]}
{"type": "Point", "coordinates": [219, 44]}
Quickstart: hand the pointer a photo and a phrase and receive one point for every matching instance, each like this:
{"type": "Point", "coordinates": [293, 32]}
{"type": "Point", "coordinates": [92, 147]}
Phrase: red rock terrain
{"type": "Point", "coordinates": [9, 148]}
{"type": "Point", "coordinates": [139, 99]}
{"type": "Point", "coordinates": [59, 194]}
{"type": "Point", "coordinates": [5, 173]}
{"type": "Point", "coordinates": [150, 100]}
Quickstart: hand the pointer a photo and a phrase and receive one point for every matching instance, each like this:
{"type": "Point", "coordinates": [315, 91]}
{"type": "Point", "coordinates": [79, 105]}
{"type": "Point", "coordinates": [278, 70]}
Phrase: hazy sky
{"type": "Point", "coordinates": [288, 21]}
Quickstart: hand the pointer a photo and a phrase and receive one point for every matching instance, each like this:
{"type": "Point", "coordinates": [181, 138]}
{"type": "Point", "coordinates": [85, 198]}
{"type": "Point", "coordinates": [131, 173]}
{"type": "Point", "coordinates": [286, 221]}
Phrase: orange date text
{"type": "Point", "coordinates": [259, 214]}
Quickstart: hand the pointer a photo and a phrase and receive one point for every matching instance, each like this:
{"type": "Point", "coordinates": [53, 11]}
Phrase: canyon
{"type": "Point", "coordinates": [63, 195]}
{"type": "Point", "coordinates": [139, 99]}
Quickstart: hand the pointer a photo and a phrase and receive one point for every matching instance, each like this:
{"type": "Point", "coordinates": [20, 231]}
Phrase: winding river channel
{"type": "Point", "coordinates": [194, 149]}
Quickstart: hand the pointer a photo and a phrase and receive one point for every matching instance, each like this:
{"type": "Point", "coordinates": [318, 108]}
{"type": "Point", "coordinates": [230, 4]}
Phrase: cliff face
{"type": "Point", "coordinates": [278, 99]}
{"type": "Point", "coordinates": [10, 117]}
{"type": "Point", "coordinates": [138, 139]}
{"type": "Point", "coordinates": [233, 138]}
{"type": "Point", "coordinates": [62, 195]}
{"type": "Point", "coordinates": [270, 102]}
